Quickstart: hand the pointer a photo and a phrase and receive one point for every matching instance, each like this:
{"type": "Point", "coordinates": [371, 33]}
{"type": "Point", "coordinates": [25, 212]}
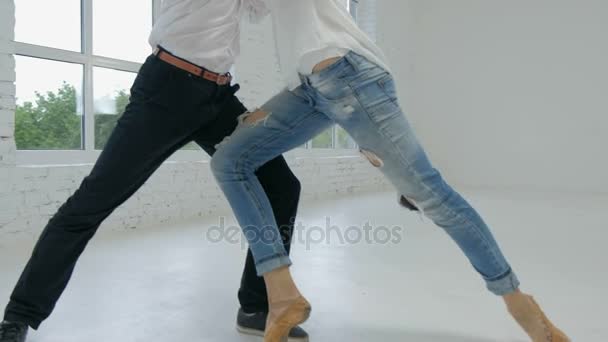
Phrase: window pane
{"type": "Point", "coordinates": [49, 109]}
{"type": "Point", "coordinates": [323, 140]}
{"type": "Point", "coordinates": [50, 23]}
{"type": "Point", "coordinates": [352, 7]}
{"type": "Point", "coordinates": [121, 29]}
{"type": "Point", "coordinates": [111, 96]}
{"type": "Point", "coordinates": [343, 140]}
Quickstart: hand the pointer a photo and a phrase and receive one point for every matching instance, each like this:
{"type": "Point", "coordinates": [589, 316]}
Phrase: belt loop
{"type": "Point", "coordinates": [350, 57]}
{"type": "Point", "coordinates": [305, 89]}
{"type": "Point", "coordinates": [305, 80]}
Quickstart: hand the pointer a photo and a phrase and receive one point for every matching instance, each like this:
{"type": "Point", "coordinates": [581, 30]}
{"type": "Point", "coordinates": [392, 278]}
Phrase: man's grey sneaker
{"type": "Point", "coordinates": [255, 324]}
{"type": "Point", "coordinates": [13, 332]}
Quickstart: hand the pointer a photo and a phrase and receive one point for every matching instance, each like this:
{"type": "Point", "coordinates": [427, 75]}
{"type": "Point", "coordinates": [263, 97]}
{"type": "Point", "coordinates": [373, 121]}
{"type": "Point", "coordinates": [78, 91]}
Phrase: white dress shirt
{"type": "Point", "coordinates": [310, 31]}
{"type": "Point", "coordinates": [204, 32]}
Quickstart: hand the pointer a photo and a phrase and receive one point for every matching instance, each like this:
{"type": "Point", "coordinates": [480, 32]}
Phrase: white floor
{"type": "Point", "coordinates": [171, 284]}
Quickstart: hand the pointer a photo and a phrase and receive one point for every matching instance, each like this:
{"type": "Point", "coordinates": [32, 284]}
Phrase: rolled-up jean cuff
{"type": "Point", "coordinates": [269, 265]}
{"type": "Point", "coordinates": [505, 285]}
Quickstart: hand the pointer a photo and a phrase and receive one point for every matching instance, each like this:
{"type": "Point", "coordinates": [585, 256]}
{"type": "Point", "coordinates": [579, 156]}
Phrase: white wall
{"type": "Point", "coordinates": [7, 86]}
{"type": "Point", "coordinates": [507, 94]}
{"type": "Point", "coordinates": [29, 195]}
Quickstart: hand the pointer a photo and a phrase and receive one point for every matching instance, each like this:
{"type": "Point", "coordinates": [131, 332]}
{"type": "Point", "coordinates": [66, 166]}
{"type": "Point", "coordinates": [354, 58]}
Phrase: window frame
{"type": "Point", "coordinates": [352, 7]}
{"type": "Point", "coordinates": [88, 154]}
{"type": "Point", "coordinates": [88, 60]}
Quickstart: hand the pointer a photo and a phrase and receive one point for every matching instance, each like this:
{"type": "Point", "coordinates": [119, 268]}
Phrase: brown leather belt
{"type": "Point", "coordinates": [192, 68]}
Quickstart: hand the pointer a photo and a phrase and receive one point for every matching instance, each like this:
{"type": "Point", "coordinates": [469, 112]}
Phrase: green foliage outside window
{"type": "Point", "coordinates": [323, 140]}
{"type": "Point", "coordinates": [51, 123]}
{"type": "Point", "coordinates": [105, 123]}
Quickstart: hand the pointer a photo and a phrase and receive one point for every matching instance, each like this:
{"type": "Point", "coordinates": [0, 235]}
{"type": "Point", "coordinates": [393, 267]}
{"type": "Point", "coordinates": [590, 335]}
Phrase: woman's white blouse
{"type": "Point", "coordinates": [310, 31]}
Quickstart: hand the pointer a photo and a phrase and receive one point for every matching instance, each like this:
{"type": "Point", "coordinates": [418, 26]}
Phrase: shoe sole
{"type": "Point", "coordinates": [259, 333]}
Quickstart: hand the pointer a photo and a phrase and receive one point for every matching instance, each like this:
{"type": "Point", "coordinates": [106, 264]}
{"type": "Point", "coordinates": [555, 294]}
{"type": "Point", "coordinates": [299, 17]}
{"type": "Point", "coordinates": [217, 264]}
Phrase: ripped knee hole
{"type": "Point", "coordinates": [373, 158]}
{"type": "Point", "coordinates": [408, 203]}
{"type": "Point", "coordinates": [255, 117]}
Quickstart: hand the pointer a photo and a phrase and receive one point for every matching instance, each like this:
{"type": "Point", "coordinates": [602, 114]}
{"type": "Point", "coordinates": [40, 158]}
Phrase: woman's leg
{"type": "Point", "coordinates": [374, 119]}
{"type": "Point", "coordinates": [372, 116]}
{"type": "Point", "coordinates": [280, 185]}
{"type": "Point", "coordinates": [285, 122]}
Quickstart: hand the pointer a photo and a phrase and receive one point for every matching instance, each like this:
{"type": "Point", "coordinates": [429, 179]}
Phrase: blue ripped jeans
{"type": "Point", "coordinates": [361, 98]}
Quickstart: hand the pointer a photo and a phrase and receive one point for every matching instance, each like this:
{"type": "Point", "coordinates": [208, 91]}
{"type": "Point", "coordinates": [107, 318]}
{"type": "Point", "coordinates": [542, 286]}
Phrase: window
{"type": "Point", "coordinates": [111, 96]}
{"type": "Point", "coordinates": [324, 140]}
{"type": "Point", "coordinates": [129, 41]}
{"type": "Point", "coordinates": [335, 137]}
{"type": "Point", "coordinates": [89, 52]}
{"type": "Point", "coordinates": [352, 7]}
{"type": "Point", "coordinates": [75, 68]}
{"type": "Point", "coordinates": [35, 26]}
{"type": "Point", "coordinates": [343, 140]}
{"type": "Point", "coordinates": [51, 119]}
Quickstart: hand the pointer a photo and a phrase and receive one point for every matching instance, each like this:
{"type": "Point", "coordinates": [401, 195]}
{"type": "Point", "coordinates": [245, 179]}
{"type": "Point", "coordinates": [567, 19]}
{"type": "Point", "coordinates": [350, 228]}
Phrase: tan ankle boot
{"type": "Point", "coordinates": [533, 320]}
{"type": "Point", "coordinates": [284, 316]}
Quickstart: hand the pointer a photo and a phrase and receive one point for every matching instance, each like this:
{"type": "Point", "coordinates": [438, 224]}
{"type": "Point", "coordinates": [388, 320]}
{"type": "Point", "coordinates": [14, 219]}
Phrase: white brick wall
{"type": "Point", "coordinates": [7, 88]}
{"type": "Point", "coordinates": [254, 67]}
{"type": "Point", "coordinates": [177, 191]}
{"type": "Point", "coordinates": [29, 195]}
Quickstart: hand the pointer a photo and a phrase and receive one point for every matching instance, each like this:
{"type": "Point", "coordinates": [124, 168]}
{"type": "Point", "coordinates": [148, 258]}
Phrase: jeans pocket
{"type": "Point", "coordinates": [334, 82]}
{"type": "Point", "coordinates": [387, 83]}
{"type": "Point", "coordinates": [151, 82]}
{"type": "Point", "coordinates": [334, 91]}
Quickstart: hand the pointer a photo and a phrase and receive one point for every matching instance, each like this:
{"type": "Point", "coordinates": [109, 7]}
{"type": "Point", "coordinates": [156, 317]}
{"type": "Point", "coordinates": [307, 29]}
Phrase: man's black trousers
{"type": "Point", "coordinates": [168, 109]}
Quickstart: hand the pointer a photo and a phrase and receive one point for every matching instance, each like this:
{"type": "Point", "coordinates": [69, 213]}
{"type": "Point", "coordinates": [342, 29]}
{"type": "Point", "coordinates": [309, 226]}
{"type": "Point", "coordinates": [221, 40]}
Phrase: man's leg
{"type": "Point", "coordinates": [149, 132]}
{"type": "Point", "coordinates": [281, 186]}
{"type": "Point", "coordinates": [285, 122]}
